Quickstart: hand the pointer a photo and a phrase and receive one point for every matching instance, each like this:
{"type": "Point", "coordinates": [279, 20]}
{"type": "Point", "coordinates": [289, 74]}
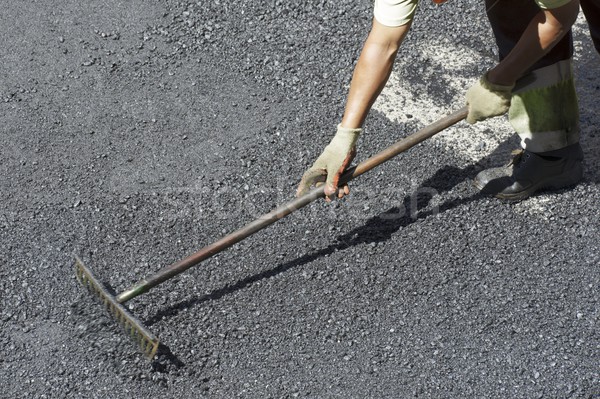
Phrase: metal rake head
{"type": "Point", "coordinates": [147, 341]}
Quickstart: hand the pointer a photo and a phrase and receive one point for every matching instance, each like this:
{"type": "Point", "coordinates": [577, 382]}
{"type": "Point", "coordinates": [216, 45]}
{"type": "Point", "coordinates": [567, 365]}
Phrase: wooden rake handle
{"type": "Point", "coordinates": [290, 207]}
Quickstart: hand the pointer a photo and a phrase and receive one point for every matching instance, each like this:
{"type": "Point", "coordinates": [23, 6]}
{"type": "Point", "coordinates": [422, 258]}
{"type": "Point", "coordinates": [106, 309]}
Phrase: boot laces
{"type": "Point", "coordinates": [517, 157]}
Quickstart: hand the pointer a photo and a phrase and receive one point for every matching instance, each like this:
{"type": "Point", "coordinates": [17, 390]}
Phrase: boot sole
{"type": "Point", "coordinates": [568, 179]}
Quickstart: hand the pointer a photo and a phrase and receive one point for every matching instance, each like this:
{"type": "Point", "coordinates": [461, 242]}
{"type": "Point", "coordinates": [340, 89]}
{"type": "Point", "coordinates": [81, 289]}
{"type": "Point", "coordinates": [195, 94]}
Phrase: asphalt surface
{"type": "Point", "coordinates": [134, 134]}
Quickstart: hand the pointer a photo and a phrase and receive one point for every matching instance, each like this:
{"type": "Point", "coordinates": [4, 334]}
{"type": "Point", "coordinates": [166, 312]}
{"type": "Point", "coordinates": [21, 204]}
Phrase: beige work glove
{"type": "Point", "coordinates": [331, 163]}
{"type": "Point", "coordinates": [486, 100]}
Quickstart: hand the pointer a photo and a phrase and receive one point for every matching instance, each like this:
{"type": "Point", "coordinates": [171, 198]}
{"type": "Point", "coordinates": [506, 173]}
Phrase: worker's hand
{"type": "Point", "coordinates": [331, 164]}
{"type": "Point", "coordinates": [486, 99]}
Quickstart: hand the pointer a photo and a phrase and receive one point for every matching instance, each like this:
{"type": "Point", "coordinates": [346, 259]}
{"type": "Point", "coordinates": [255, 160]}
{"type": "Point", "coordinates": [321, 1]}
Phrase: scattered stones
{"type": "Point", "coordinates": [184, 121]}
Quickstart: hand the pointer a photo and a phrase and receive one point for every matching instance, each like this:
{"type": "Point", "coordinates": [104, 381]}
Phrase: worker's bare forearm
{"type": "Point", "coordinates": [543, 33]}
{"type": "Point", "coordinates": [372, 71]}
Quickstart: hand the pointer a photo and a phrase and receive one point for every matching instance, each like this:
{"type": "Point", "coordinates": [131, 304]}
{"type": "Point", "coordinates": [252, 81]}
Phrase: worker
{"type": "Point", "coordinates": [532, 82]}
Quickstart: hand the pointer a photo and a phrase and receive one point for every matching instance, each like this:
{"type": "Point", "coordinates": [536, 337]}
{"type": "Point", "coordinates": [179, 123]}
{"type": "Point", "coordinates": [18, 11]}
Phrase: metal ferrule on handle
{"type": "Point", "coordinates": [290, 207]}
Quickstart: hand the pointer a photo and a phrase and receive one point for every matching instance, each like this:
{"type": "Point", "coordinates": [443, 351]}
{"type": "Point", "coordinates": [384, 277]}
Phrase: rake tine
{"type": "Point", "coordinates": [147, 341]}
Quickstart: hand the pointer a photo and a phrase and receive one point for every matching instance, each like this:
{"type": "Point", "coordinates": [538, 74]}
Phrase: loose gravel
{"type": "Point", "coordinates": [135, 133]}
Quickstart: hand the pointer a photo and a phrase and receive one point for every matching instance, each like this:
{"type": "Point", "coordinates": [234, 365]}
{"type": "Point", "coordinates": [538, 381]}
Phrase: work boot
{"type": "Point", "coordinates": [529, 172]}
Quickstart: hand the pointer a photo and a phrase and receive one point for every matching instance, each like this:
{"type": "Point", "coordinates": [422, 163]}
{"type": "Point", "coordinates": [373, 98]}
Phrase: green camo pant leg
{"type": "Point", "coordinates": [544, 110]}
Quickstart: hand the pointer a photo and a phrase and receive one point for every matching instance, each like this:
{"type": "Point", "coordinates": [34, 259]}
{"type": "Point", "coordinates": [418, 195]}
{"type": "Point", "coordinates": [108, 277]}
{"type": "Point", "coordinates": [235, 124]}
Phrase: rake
{"type": "Point", "coordinates": [147, 341]}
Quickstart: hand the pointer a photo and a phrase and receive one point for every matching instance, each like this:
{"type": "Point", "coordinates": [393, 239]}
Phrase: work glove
{"type": "Point", "coordinates": [486, 99]}
{"type": "Point", "coordinates": [331, 163]}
